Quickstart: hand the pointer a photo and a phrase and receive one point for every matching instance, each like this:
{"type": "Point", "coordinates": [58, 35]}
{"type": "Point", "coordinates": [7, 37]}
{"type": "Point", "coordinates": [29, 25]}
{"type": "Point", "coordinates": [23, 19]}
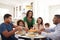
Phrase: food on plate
{"type": "Point", "coordinates": [31, 30]}
{"type": "Point", "coordinates": [19, 32]}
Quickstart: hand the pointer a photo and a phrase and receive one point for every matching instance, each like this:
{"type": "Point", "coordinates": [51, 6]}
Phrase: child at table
{"type": "Point", "coordinates": [22, 24]}
{"type": "Point", "coordinates": [47, 28]}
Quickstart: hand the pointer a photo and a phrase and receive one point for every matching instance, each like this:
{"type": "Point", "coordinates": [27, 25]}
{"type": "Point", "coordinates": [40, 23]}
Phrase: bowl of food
{"type": "Point", "coordinates": [31, 30]}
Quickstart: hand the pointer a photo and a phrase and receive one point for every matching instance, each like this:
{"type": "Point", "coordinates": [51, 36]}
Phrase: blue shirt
{"type": "Point", "coordinates": [53, 35]}
{"type": "Point", "coordinates": [8, 27]}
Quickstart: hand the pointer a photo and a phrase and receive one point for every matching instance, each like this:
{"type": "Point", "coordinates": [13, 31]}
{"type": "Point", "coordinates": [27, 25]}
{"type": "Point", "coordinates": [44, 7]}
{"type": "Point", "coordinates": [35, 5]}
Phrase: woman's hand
{"type": "Point", "coordinates": [42, 29]}
{"type": "Point", "coordinates": [39, 31]}
{"type": "Point", "coordinates": [26, 29]}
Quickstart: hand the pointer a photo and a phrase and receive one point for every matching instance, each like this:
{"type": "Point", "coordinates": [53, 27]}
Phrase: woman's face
{"type": "Point", "coordinates": [21, 24]}
{"type": "Point", "coordinates": [30, 14]}
{"type": "Point", "coordinates": [39, 21]}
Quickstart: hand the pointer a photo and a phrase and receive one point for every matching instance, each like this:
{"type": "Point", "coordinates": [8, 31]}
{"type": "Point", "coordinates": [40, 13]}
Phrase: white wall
{"type": "Point", "coordinates": [5, 9]}
{"type": "Point", "coordinates": [42, 9]}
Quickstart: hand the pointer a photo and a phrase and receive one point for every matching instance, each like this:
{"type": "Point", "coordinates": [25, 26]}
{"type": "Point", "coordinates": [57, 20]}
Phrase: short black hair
{"type": "Point", "coordinates": [7, 16]}
{"type": "Point", "coordinates": [20, 21]}
{"type": "Point", "coordinates": [47, 24]}
{"type": "Point", "coordinates": [58, 16]}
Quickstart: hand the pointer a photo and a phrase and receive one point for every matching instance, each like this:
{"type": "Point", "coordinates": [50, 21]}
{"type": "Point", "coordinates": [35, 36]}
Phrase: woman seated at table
{"type": "Point", "coordinates": [39, 25]}
{"type": "Point", "coordinates": [29, 19]}
{"type": "Point", "coordinates": [22, 24]}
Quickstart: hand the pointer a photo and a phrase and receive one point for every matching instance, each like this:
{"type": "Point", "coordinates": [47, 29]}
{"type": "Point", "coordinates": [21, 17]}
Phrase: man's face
{"type": "Point", "coordinates": [55, 20]}
{"type": "Point", "coordinates": [9, 19]}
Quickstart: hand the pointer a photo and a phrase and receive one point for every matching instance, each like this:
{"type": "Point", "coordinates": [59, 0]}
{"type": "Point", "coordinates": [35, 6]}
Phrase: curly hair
{"type": "Point", "coordinates": [21, 21]}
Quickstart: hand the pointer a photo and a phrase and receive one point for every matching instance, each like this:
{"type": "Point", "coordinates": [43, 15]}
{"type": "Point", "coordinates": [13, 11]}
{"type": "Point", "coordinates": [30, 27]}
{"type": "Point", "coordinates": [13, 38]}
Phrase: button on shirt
{"type": "Point", "coordinates": [53, 35]}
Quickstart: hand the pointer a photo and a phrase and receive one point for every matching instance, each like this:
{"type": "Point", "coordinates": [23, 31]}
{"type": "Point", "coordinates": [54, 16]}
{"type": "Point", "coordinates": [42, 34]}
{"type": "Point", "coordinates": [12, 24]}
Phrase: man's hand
{"type": "Point", "coordinates": [10, 33]}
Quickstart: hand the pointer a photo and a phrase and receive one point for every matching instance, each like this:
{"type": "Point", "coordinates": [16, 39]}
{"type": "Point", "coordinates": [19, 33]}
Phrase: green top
{"type": "Point", "coordinates": [30, 24]}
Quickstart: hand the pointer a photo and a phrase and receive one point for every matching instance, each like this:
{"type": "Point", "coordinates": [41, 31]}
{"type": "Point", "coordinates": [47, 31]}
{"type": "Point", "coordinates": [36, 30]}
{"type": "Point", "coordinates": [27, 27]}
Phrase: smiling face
{"type": "Point", "coordinates": [21, 24]}
{"type": "Point", "coordinates": [55, 20]}
{"type": "Point", "coordinates": [9, 19]}
{"type": "Point", "coordinates": [30, 14]}
{"type": "Point", "coordinates": [39, 21]}
{"type": "Point", "coordinates": [47, 26]}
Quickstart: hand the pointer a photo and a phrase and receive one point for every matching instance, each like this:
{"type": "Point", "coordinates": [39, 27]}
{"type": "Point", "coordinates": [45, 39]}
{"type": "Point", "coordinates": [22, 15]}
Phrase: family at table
{"type": "Point", "coordinates": [28, 25]}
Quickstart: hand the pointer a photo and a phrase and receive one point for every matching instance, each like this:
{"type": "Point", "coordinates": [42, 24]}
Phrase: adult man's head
{"type": "Point", "coordinates": [56, 19]}
{"type": "Point", "coordinates": [7, 18]}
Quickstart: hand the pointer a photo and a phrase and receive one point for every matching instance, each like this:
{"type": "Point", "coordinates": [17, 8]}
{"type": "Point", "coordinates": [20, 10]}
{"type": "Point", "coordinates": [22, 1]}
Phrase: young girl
{"type": "Point", "coordinates": [21, 23]}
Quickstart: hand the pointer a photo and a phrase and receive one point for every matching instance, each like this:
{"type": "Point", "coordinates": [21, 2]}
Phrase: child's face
{"type": "Point", "coordinates": [46, 26]}
{"type": "Point", "coordinates": [21, 24]}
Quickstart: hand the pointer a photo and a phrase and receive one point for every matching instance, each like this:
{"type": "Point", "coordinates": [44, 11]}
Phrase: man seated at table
{"type": "Point", "coordinates": [6, 28]}
{"type": "Point", "coordinates": [56, 34]}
